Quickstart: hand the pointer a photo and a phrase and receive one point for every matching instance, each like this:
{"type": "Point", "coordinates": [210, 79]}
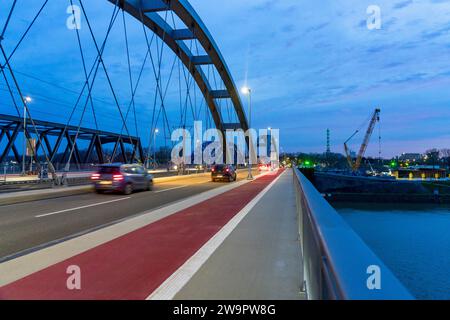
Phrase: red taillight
{"type": "Point", "coordinates": [117, 177]}
{"type": "Point", "coordinates": [95, 176]}
{"type": "Point", "coordinates": [212, 170]}
{"type": "Point", "coordinates": [227, 169]}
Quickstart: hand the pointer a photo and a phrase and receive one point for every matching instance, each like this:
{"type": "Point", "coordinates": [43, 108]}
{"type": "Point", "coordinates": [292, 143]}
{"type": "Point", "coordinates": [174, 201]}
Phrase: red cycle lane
{"type": "Point", "coordinates": [134, 265]}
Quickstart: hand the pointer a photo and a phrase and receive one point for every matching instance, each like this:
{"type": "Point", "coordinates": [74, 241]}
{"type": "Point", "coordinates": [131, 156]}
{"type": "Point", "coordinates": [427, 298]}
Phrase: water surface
{"type": "Point", "coordinates": [412, 240]}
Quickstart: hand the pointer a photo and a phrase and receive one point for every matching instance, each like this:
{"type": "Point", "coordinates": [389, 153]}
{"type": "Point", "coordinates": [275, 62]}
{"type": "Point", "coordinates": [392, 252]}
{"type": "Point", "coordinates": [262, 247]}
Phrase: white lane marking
{"type": "Point", "coordinates": [179, 187]}
{"type": "Point", "coordinates": [169, 288]}
{"type": "Point", "coordinates": [169, 189]}
{"type": "Point", "coordinates": [83, 207]}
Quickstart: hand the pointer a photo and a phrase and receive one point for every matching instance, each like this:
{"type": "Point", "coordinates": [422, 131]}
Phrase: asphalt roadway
{"type": "Point", "coordinates": [29, 226]}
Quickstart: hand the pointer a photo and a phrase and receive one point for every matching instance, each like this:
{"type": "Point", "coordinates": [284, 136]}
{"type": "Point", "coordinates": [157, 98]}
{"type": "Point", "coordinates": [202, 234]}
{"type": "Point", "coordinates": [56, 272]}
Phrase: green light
{"type": "Point", "coordinates": [307, 163]}
{"type": "Point", "coordinates": [393, 164]}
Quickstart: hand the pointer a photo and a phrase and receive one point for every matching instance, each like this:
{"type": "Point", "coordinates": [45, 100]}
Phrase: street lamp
{"type": "Point", "coordinates": [26, 100]}
{"type": "Point", "coordinates": [269, 146]}
{"type": "Point", "coordinates": [248, 92]}
{"type": "Point", "coordinates": [154, 147]}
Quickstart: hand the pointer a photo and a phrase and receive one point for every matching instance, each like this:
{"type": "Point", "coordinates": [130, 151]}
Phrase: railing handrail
{"type": "Point", "coordinates": [343, 253]}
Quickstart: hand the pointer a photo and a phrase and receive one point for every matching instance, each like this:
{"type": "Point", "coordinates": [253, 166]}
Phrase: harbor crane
{"type": "Point", "coordinates": [355, 165]}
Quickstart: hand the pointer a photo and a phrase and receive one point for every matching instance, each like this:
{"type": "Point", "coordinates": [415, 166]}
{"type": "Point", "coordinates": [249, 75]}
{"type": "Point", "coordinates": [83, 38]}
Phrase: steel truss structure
{"type": "Point", "coordinates": [193, 48]}
{"type": "Point", "coordinates": [11, 126]}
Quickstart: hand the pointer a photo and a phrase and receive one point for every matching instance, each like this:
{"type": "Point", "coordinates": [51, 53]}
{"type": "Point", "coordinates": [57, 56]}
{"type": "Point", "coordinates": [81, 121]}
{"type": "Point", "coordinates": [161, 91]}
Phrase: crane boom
{"type": "Point", "coordinates": [355, 165]}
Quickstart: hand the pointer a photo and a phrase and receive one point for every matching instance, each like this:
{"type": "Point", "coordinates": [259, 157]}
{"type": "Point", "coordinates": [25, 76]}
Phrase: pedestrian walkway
{"type": "Point", "coordinates": [260, 259]}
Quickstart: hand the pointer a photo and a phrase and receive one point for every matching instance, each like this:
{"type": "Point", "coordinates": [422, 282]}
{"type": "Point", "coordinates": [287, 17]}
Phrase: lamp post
{"type": "Point", "coordinates": [26, 100]}
{"type": "Point", "coordinates": [248, 92]}
{"type": "Point", "coordinates": [154, 147]}
{"type": "Point", "coordinates": [269, 146]}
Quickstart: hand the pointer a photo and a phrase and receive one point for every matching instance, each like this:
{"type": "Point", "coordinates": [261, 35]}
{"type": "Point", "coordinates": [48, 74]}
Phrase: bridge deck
{"type": "Point", "coordinates": [260, 259]}
{"type": "Point", "coordinates": [239, 241]}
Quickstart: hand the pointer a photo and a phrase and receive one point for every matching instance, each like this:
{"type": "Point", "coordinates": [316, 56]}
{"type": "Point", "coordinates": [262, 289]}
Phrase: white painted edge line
{"type": "Point", "coordinates": [170, 189]}
{"type": "Point", "coordinates": [111, 201]}
{"type": "Point", "coordinates": [107, 202]}
{"type": "Point", "coordinates": [25, 265]}
{"type": "Point", "coordinates": [179, 187]}
{"type": "Point", "coordinates": [180, 177]}
{"type": "Point", "coordinates": [172, 285]}
{"type": "Point", "coordinates": [82, 207]}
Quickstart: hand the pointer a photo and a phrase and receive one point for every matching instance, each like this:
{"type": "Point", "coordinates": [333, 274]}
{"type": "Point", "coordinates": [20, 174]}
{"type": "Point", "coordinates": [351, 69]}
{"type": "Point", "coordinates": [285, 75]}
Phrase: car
{"type": "Point", "coordinates": [264, 167]}
{"type": "Point", "coordinates": [223, 172]}
{"type": "Point", "coordinates": [124, 178]}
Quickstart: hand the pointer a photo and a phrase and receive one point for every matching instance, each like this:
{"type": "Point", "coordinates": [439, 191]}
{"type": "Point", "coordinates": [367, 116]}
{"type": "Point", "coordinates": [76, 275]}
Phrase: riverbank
{"type": "Point", "coordinates": [348, 188]}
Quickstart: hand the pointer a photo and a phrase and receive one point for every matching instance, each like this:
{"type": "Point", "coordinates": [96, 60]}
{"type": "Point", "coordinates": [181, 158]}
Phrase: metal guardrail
{"type": "Point", "coordinates": [337, 263]}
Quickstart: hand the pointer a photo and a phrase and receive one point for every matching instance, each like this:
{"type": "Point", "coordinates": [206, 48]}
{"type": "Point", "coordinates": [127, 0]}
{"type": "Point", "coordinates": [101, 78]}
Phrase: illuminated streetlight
{"type": "Point", "coordinates": [246, 90]}
{"type": "Point", "coordinates": [154, 146]}
{"type": "Point", "coordinates": [26, 100]}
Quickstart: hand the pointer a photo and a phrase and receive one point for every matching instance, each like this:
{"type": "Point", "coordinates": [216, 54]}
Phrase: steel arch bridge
{"type": "Point", "coordinates": [149, 13]}
{"type": "Point", "coordinates": [146, 10]}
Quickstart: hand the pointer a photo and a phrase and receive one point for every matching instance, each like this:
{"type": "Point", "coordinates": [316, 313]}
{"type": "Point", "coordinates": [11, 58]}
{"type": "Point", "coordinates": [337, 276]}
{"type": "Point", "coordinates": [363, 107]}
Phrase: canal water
{"type": "Point", "coordinates": [412, 240]}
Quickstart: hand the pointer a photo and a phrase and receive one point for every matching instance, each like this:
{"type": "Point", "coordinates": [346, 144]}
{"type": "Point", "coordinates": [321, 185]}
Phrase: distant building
{"type": "Point", "coordinates": [421, 172]}
{"type": "Point", "coordinates": [410, 157]}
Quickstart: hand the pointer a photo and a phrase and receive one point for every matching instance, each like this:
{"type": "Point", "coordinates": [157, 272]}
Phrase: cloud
{"type": "Point", "coordinates": [427, 35]}
{"type": "Point", "coordinates": [392, 65]}
{"type": "Point", "coordinates": [317, 27]}
{"type": "Point", "coordinates": [403, 4]}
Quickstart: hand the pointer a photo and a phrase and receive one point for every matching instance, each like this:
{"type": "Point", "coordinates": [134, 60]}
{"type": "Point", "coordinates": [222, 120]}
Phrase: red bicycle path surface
{"type": "Point", "coordinates": [134, 265]}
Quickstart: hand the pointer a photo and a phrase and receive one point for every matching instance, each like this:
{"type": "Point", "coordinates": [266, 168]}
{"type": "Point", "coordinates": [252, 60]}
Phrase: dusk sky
{"type": "Point", "coordinates": [311, 66]}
